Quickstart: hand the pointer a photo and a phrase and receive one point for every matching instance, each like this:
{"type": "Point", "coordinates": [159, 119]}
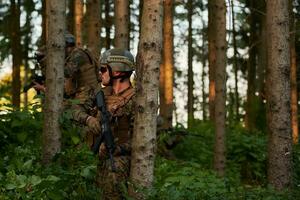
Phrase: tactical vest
{"type": "Point", "coordinates": [87, 77]}
{"type": "Point", "coordinates": [121, 109]}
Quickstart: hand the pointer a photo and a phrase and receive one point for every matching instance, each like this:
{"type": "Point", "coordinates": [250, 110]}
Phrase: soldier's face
{"type": "Point", "coordinates": [104, 73]}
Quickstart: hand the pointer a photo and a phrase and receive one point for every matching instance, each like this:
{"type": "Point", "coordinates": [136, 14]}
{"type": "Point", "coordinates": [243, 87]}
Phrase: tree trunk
{"type": "Point", "coordinates": [107, 24]}
{"type": "Point", "coordinates": [294, 98]}
{"type": "Point", "coordinates": [278, 95]}
{"type": "Point", "coordinates": [167, 67]}
{"type": "Point", "coordinates": [121, 24]}
{"type": "Point", "coordinates": [93, 13]}
{"type": "Point", "coordinates": [220, 75]}
{"type": "Point", "coordinates": [28, 35]}
{"type": "Point", "coordinates": [16, 50]}
{"type": "Point", "coordinates": [203, 74]}
{"type": "Point", "coordinates": [211, 56]}
{"type": "Point", "coordinates": [78, 12]}
{"type": "Point", "coordinates": [54, 79]}
{"type": "Point", "coordinates": [262, 55]}
{"type": "Point", "coordinates": [190, 103]}
{"type": "Point", "coordinates": [70, 16]}
{"type": "Point", "coordinates": [148, 62]}
{"type": "Point", "coordinates": [251, 70]}
{"type": "Point", "coordinates": [235, 65]}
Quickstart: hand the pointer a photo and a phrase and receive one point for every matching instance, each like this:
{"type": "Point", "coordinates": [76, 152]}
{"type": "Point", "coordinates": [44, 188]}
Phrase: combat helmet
{"type": "Point", "coordinates": [118, 59]}
{"type": "Point", "coordinates": [70, 40]}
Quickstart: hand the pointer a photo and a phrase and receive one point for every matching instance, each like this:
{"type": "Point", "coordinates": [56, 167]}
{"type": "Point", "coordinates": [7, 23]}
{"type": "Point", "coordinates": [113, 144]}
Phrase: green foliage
{"type": "Point", "coordinates": [190, 175]}
{"type": "Point", "coordinates": [186, 180]}
{"type": "Point", "coordinates": [247, 154]}
{"type": "Point", "coordinates": [71, 176]}
{"type": "Point", "coordinates": [19, 127]}
{"type": "Point", "coordinates": [22, 176]}
{"type": "Point", "coordinates": [197, 145]}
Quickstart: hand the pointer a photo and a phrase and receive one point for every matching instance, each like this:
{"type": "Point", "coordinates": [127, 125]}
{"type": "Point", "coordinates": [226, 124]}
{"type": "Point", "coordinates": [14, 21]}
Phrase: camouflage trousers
{"type": "Point", "coordinates": [114, 184]}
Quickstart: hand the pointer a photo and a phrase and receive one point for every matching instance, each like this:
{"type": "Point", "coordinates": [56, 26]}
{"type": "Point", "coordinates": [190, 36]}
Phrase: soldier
{"type": "Point", "coordinates": [80, 72]}
{"type": "Point", "coordinates": [116, 68]}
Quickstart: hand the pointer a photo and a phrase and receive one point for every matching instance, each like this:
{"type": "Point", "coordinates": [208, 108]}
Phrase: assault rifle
{"type": "Point", "coordinates": [36, 77]}
{"type": "Point", "coordinates": [106, 134]}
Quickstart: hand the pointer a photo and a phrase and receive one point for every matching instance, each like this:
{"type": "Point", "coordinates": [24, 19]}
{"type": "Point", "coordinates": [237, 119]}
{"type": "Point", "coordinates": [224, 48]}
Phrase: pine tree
{"type": "Point", "coordinates": [122, 24]}
{"type": "Point", "coordinates": [148, 62]}
{"type": "Point", "coordinates": [167, 67]}
{"type": "Point", "coordinates": [278, 95]}
{"type": "Point", "coordinates": [220, 87]}
{"type": "Point", "coordinates": [16, 50]}
{"type": "Point", "coordinates": [78, 13]}
{"type": "Point", "coordinates": [93, 13]}
{"type": "Point", "coordinates": [54, 79]}
{"type": "Point", "coordinates": [294, 96]}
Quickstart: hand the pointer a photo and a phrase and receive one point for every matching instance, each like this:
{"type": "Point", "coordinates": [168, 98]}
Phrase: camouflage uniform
{"type": "Point", "coordinates": [81, 74]}
{"type": "Point", "coordinates": [121, 107]}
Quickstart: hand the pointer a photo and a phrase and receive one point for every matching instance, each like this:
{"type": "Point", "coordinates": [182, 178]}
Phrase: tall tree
{"type": "Point", "coordinates": [93, 13]}
{"type": "Point", "coordinates": [148, 62]}
{"type": "Point", "coordinates": [235, 64]}
{"type": "Point", "coordinates": [190, 103]}
{"type": "Point", "coordinates": [251, 68]}
{"type": "Point", "coordinates": [54, 79]}
{"type": "Point", "coordinates": [203, 74]}
{"type": "Point", "coordinates": [16, 50]}
{"type": "Point", "coordinates": [262, 47]}
{"type": "Point", "coordinates": [167, 67]}
{"type": "Point", "coordinates": [212, 32]}
{"type": "Point", "coordinates": [107, 23]}
{"type": "Point", "coordinates": [78, 12]}
{"type": "Point", "coordinates": [278, 95]}
{"type": "Point", "coordinates": [220, 87]}
{"type": "Point", "coordinates": [261, 62]}
{"type": "Point", "coordinates": [122, 24]}
{"type": "Point", "coordinates": [294, 96]}
{"type": "Point", "coordinates": [70, 16]}
{"type": "Point", "coordinates": [27, 30]}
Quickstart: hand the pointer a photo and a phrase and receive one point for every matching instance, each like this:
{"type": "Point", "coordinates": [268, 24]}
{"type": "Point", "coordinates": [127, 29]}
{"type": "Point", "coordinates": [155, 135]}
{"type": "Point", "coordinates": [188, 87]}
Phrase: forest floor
{"type": "Point", "coordinates": [183, 168]}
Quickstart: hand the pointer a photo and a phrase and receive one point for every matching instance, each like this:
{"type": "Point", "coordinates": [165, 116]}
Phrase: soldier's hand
{"type": "Point", "coordinates": [93, 125]}
{"type": "Point", "coordinates": [103, 151]}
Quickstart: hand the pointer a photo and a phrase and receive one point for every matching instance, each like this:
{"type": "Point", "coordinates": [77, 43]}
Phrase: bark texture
{"type": "Point", "coordinates": [16, 51]}
{"type": "Point", "coordinates": [278, 95]}
{"type": "Point", "coordinates": [148, 62]}
{"type": "Point", "coordinates": [220, 75]}
{"type": "Point", "coordinates": [107, 23]}
{"type": "Point", "coordinates": [122, 24]}
{"type": "Point", "coordinates": [235, 65]}
{"type": "Point", "coordinates": [294, 96]}
{"type": "Point", "coordinates": [93, 13]}
{"type": "Point", "coordinates": [212, 32]}
{"type": "Point", "coordinates": [54, 79]}
{"type": "Point", "coordinates": [190, 103]}
{"type": "Point", "coordinates": [251, 69]}
{"type": "Point", "coordinates": [167, 67]}
{"type": "Point", "coordinates": [78, 12]}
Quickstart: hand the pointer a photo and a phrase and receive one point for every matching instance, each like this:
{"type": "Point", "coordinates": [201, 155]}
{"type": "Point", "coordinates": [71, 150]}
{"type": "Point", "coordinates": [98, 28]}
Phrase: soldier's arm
{"type": "Point", "coordinates": [81, 111]}
{"type": "Point", "coordinates": [86, 107]}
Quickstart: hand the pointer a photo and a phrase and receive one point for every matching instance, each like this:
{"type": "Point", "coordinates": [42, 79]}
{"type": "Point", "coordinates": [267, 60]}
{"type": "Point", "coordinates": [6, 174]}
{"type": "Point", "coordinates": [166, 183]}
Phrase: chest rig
{"type": "Point", "coordinates": [121, 109]}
